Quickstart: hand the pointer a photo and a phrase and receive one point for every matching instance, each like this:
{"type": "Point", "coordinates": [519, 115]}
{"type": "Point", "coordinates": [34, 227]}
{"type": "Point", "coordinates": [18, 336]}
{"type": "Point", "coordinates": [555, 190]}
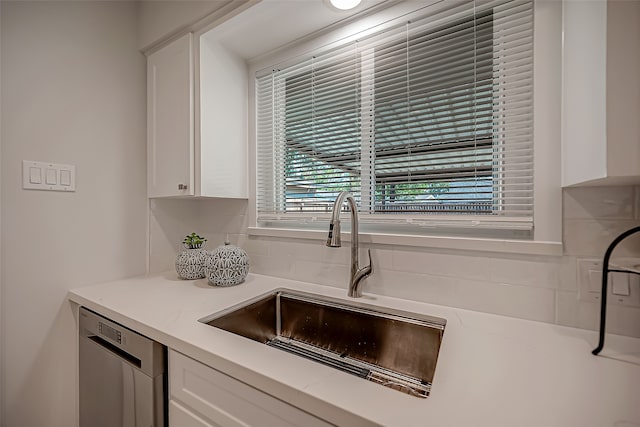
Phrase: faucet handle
{"type": "Point", "coordinates": [362, 273]}
{"type": "Point", "coordinates": [365, 271]}
{"type": "Point", "coordinates": [369, 268]}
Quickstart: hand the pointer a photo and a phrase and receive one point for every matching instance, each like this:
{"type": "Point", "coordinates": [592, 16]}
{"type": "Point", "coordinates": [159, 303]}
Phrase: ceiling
{"type": "Point", "coordinates": [271, 24]}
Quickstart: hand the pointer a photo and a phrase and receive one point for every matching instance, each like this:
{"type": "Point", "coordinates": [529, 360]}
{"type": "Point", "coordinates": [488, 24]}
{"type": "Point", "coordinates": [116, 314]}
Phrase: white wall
{"type": "Point", "coordinates": [73, 91]}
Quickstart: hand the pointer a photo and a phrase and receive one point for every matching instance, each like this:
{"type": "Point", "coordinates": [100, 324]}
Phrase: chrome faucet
{"type": "Point", "coordinates": [333, 241]}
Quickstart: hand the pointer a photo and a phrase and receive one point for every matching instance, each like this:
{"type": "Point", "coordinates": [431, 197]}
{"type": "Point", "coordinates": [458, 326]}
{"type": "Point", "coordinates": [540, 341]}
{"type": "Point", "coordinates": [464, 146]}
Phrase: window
{"type": "Point", "coordinates": [426, 123]}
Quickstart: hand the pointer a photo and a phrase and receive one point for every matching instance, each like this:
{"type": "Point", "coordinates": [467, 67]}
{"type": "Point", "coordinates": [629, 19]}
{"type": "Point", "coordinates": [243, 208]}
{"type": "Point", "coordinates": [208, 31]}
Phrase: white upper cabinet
{"type": "Point", "coordinates": [222, 100]}
{"type": "Point", "coordinates": [197, 121]}
{"type": "Point", "coordinates": [170, 141]}
{"type": "Point", "coordinates": [601, 93]}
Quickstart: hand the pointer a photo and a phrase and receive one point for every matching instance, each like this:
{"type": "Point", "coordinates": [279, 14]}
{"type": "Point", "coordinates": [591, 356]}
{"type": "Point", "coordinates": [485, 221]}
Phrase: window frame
{"type": "Point", "coordinates": [546, 239]}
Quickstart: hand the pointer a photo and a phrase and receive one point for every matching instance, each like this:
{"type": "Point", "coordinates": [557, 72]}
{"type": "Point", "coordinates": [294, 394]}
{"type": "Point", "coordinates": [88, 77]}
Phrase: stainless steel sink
{"type": "Point", "coordinates": [393, 348]}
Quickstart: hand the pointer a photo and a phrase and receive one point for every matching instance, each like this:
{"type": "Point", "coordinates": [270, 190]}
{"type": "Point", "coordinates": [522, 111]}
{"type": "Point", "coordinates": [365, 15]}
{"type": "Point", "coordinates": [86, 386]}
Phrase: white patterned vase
{"type": "Point", "coordinates": [190, 263]}
{"type": "Point", "coordinates": [227, 265]}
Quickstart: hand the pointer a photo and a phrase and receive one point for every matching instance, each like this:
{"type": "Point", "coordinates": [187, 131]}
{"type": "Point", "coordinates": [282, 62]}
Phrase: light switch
{"type": "Point", "coordinates": [35, 175]}
{"type": "Point", "coordinates": [51, 176]}
{"type": "Point", "coordinates": [620, 284]}
{"type": "Point", "coordinates": [595, 280]}
{"type": "Point", "coordinates": [48, 176]}
{"type": "Point", "coordinates": [65, 177]}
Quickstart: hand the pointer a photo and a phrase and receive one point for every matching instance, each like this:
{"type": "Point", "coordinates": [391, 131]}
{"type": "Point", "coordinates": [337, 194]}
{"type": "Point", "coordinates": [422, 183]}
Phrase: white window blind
{"type": "Point", "coordinates": [425, 122]}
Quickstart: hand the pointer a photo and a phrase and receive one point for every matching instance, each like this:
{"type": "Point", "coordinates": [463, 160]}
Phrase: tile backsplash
{"type": "Point", "coordinates": [593, 217]}
{"type": "Point", "coordinates": [542, 288]}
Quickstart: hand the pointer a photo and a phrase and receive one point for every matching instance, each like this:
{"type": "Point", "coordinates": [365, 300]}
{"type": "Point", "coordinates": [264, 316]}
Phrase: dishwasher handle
{"type": "Point", "coordinates": [129, 358]}
{"type": "Point", "coordinates": [139, 351]}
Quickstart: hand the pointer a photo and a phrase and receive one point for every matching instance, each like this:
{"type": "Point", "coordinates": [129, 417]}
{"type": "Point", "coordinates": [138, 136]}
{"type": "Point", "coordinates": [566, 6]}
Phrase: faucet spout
{"type": "Point", "coordinates": [333, 240]}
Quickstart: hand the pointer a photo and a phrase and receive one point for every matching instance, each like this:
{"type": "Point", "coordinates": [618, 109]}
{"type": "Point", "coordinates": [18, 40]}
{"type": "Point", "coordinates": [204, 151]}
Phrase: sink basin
{"type": "Point", "coordinates": [390, 347]}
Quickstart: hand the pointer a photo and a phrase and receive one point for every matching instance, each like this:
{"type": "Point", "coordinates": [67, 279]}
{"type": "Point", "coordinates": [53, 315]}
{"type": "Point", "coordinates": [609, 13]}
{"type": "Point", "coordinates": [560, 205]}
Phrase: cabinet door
{"type": "Point", "coordinates": [170, 142]}
{"type": "Point", "coordinates": [179, 416]}
{"type": "Point", "coordinates": [222, 400]}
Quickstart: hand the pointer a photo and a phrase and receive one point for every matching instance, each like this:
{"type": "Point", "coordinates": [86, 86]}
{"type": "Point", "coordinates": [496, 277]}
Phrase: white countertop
{"type": "Point", "coordinates": [491, 371]}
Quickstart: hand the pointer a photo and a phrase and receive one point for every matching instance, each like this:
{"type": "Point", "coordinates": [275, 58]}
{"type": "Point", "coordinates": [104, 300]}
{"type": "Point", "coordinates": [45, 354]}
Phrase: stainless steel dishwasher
{"type": "Point", "coordinates": [122, 375]}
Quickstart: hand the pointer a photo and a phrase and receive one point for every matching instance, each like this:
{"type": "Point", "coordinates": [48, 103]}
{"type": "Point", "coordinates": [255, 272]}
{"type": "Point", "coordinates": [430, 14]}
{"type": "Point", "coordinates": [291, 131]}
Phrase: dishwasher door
{"type": "Point", "coordinates": [122, 375]}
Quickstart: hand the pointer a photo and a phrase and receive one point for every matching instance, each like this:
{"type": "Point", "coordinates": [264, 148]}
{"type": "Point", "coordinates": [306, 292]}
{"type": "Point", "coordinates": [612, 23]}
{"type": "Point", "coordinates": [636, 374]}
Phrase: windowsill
{"type": "Point", "coordinates": [455, 243]}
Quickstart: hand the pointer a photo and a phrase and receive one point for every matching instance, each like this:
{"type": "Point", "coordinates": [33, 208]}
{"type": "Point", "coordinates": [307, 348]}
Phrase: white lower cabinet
{"type": "Point", "coordinates": [182, 417]}
{"type": "Point", "coordinates": [200, 396]}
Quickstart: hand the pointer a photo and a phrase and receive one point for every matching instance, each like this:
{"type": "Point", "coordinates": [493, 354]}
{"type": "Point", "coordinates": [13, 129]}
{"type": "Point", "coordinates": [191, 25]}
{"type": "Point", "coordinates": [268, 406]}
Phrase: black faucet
{"type": "Point", "coordinates": [605, 275]}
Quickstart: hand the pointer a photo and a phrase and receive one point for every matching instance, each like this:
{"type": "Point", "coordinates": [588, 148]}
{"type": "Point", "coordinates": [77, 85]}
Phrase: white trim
{"type": "Point", "coordinates": [458, 221]}
{"type": "Point", "coordinates": [547, 132]}
{"type": "Point", "coordinates": [203, 24]}
{"type": "Point", "coordinates": [456, 243]}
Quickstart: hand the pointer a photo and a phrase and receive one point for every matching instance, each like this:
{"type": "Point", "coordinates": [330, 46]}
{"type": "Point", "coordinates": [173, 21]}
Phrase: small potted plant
{"type": "Point", "coordinates": [193, 241]}
{"type": "Point", "coordinates": [190, 262]}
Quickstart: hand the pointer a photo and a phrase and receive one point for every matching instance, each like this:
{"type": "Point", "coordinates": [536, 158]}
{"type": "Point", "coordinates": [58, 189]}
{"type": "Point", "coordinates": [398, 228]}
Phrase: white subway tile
{"type": "Point", "coordinates": [244, 241]}
{"type": "Point", "coordinates": [623, 320]}
{"type": "Point", "coordinates": [235, 239]}
{"type": "Point", "coordinates": [476, 267]}
{"type": "Point", "coordinates": [310, 250]}
{"type": "Point", "coordinates": [524, 302]}
{"type": "Point", "coordinates": [208, 208]}
{"type": "Point", "coordinates": [336, 275]}
{"type": "Point", "coordinates": [175, 211]}
{"type": "Point", "coordinates": [570, 311]}
{"type": "Point", "coordinates": [534, 272]}
{"type": "Point", "coordinates": [215, 238]}
{"type": "Point", "coordinates": [382, 256]}
{"type": "Point", "coordinates": [232, 224]}
{"type": "Point", "coordinates": [573, 312]}
{"type": "Point", "coordinates": [599, 202]}
{"type": "Point", "coordinates": [252, 245]}
{"type": "Point", "coordinates": [414, 261]}
{"type": "Point", "coordinates": [412, 286]}
{"type": "Point", "coordinates": [280, 266]}
{"type": "Point", "coordinates": [568, 273]}
{"type": "Point", "coordinates": [161, 257]}
{"type": "Point", "coordinates": [592, 237]}
{"type": "Point", "coordinates": [266, 246]}
{"type": "Point", "coordinates": [164, 244]}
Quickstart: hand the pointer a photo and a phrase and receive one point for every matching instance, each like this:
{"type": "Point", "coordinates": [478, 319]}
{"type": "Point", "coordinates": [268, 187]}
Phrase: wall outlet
{"type": "Point", "coordinates": [590, 284]}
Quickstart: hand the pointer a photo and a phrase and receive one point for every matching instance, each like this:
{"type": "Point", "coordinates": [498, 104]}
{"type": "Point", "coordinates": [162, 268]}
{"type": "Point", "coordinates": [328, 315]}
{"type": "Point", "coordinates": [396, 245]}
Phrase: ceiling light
{"type": "Point", "coordinates": [345, 4]}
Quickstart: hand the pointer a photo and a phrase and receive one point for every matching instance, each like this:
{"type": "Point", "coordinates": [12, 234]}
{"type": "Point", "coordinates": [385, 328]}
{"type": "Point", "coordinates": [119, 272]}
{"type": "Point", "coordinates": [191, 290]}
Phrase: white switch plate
{"type": "Point", "coordinates": [590, 284]}
{"type": "Point", "coordinates": [620, 284]}
{"type": "Point", "coordinates": [48, 176]}
{"type": "Point", "coordinates": [589, 279]}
